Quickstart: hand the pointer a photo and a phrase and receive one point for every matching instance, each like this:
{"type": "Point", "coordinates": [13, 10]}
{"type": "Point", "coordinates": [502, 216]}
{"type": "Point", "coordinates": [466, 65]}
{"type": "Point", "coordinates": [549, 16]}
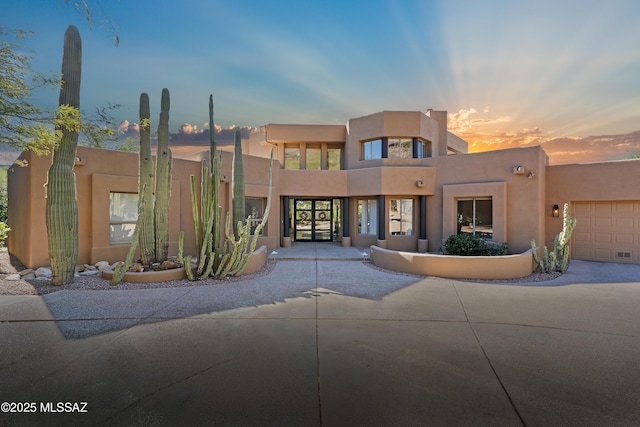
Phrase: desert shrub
{"type": "Point", "coordinates": [3, 232]}
{"type": "Point", "coordinates": [3, 195]}
{"type": "Point", "coordinates": [469, 245]}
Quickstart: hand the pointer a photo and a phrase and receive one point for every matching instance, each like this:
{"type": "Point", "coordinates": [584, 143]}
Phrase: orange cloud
{"type": "Point", "coordinates": [561, 150]}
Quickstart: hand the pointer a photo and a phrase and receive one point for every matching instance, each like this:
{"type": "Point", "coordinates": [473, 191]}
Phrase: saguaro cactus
{"type": "Point", "coordinates": [61, 206]}
{"type": "Point", "coordinates": [146, 232]}
{"type": "Point", "coordinates": [163, 181]}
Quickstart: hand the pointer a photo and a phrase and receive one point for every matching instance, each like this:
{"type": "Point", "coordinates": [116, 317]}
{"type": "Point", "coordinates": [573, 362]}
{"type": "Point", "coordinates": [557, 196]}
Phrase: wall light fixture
{"type": "Point", "coordinates": [555, 212]}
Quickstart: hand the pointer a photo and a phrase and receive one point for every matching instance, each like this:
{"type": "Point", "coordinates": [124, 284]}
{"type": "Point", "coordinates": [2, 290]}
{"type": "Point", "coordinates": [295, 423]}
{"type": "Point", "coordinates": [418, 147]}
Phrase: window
{"type": "Point", "coordinates": [475, 216]}
{"type": "Point", "coordinates": [367, 216]}
{"type": "Point", "coordinates": [314, 155]}
{"type": "Point", "coordinates": [334, 159]}
{"type": "Point", "coordinates": [400, 148]}
{"type": "Point", "coordinates": [422, 148]}
{"type": "Point", "coordinates": [123, 214]}
{"type": "Point", "coordinates": [292, 158]}
{"type": "Point", "coordinates": [255, 207]}
{"type": "Point", "coordinates": [372, 150]}
{"type": "Point", "coordinates": [401, 217]}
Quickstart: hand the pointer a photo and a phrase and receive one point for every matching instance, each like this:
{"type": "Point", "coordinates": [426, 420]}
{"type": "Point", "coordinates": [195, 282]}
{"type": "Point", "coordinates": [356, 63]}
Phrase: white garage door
{"type": "Point", "coordinates": [607, 231]}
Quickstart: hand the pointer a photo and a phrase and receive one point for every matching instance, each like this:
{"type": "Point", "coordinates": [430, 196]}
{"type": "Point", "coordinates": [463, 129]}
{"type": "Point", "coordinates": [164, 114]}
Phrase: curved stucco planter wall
{"type": "Point", "coordinates": [256, 262]}
{"type": "Point", "coordinates": [455, 267]}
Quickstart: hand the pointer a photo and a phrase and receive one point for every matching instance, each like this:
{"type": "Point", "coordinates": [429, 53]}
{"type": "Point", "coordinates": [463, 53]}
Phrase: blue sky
{"type": "Point", "coordinates": [500, 68]}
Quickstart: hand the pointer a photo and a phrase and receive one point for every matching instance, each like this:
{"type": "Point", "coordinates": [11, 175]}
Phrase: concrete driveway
{"type": "Point", "coordinates": [330, 342]}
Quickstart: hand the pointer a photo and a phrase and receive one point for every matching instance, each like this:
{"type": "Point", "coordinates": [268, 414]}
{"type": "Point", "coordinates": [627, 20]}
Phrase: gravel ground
{"type": "Point", "coordinates": [9, 265]}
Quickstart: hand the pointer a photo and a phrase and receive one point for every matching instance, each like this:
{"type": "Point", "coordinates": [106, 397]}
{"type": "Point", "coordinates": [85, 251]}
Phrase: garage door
{"type": "Point", "coordinates": [607, 231]}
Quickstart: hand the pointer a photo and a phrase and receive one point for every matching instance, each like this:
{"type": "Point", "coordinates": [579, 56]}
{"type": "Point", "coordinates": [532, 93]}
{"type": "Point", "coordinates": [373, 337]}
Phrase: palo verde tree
{"type": "Point", "coordinates": [61, 206]}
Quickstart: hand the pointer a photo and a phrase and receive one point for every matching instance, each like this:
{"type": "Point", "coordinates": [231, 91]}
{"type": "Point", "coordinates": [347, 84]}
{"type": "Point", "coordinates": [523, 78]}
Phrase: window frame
{"type": "Point", "coordinates": [371, 215]}
{"type": "Point", "coordinates": [474, 217]}
{"type": "Point", "coordinates": [256, 220]}
{"type": "Point", "coordinates": [114, 223]}
{"type": "Point", "coordinates": [400, 204]}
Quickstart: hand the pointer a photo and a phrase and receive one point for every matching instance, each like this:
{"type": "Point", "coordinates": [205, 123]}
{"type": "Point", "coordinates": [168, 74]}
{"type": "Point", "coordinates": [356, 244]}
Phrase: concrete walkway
{"type": "Point", "coordinates": [331, 342]}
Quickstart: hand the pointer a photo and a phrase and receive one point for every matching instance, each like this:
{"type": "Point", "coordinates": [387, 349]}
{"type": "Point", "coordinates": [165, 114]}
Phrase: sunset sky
{"type": "Point", "coordinates": [565, 74]}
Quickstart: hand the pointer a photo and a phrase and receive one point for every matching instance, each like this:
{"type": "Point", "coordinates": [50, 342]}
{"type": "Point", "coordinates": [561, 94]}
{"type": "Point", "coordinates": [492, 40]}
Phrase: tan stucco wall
{"type": "Point", "coordinates": [98, 173]}
{"type": "Point", "coordinates": [606, 181]}
{"type": "Point", "coordinates": [524, 197]}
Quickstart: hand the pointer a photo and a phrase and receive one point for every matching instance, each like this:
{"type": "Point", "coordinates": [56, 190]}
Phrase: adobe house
{"type": "Point", "coordinates": [395, 179]}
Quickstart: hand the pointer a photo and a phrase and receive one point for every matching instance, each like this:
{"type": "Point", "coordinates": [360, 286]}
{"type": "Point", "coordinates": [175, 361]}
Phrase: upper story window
{"type": "Point", "coordinates": [400, 148]}
{"type": "Point", "coordinates": [334, 158]}
{"type": "Point", "coordinates": [292, 158]}
{"type": "Point", "coordinates": [123, 214]}
{"type": "Point", "coordinates": [395, 148]}
{"type": "Point", "coordinates": [314, 158]}
{"type": "Point", "coordinates": [372, 150]}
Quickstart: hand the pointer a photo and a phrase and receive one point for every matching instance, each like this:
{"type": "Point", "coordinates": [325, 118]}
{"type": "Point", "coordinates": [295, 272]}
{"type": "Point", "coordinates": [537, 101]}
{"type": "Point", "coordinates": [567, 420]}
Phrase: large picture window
{"type": "Point", "coordinates": [401, 217]}
{"type": "Point", "coordinates": [475, 216]}
{"type": "Point", "coordinates": [367, 216]}
{"type": "Point", "coordinates": [123, 214]}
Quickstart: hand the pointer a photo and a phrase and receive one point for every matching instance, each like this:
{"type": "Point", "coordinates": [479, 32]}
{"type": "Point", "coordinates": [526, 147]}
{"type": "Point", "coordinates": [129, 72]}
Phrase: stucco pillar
{"type": "Point", "coordinates": [382, 233]}
{"type": "Point", "coordinates": [286, 222]}
{"type": "Point", "coordinates": [423, 243]}
{"type": "Point", "coordinates": [346, 239]}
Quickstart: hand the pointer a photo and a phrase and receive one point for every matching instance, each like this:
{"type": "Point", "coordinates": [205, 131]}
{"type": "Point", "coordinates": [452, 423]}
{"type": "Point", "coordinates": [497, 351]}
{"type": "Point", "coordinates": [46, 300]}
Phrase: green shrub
{"type": "Point", "coordinates": [3, 232]}
{"type": "Point", "coordinates": [470, 245]}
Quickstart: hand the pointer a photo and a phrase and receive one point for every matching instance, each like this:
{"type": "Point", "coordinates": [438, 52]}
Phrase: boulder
{"type": "Point", "coordinates": [44, 272]}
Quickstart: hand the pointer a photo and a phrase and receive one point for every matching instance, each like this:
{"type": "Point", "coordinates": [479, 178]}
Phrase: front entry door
{"type": "Point", "coordinates": [313, 221]}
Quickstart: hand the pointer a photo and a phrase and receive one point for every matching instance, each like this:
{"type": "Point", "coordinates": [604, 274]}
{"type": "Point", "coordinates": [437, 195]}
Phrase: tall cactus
{"type": "Point", "coordinates": [61, 206]}
{"type": "Point", "coordinates": [216, 259]}
{"type": "Point", "coordinates": [238, 182]}
{"type": "Point", "coordinates": [146, 227]}
{"type": "Point", "coordinates": [163, 181]}
{"type": "Point", "coordinates": [558, 259]}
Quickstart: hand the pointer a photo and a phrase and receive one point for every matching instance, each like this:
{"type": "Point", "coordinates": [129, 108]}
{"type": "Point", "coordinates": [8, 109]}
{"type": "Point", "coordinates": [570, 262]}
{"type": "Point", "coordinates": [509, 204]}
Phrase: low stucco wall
{"type": "Point", "coordinates": [453, 266]}
{"type": "Point", "coordinates": [256, 262]}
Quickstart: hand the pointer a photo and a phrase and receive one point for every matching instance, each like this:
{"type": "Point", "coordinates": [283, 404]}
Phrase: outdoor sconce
{"type": "Point", "coordinates": [419, 183]}
{"type": "Point", "coordinates": [224, 178]}
{"type": "Point", "coordinates": [555, 212]}
{"type": "Point", "coordinates": [518, 170]}
{"type": "Point", "coordinates": [80, 161]}
{"type": "Point", "coordinates": [531, 174]}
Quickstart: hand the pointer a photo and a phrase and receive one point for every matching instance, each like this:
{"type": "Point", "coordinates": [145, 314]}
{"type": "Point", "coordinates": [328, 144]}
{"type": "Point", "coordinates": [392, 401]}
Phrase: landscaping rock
{"type": "Point", "coordinates": [136, 267]}
{"type": "Point", "coordinates": [26, 272]}
{"type": "Point", "coordinates": [44, 272]}
{"type": "Point", "coordinates": [168, 265]}
{"type": "Point", "coordinates": [102, 265]}
{"type": "Point", "coordinates": [13, 277]}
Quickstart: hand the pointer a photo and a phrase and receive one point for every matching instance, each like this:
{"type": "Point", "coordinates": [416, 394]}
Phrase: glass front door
{"type": "Point", "coordinates": [313, 220]}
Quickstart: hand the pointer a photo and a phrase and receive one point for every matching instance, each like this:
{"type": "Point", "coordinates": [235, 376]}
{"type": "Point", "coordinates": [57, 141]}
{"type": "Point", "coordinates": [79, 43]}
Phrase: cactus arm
{"type": "Point", "coordinates": [163, 181]}
{"type": "Point", "coordinates": [61, 205]}
{"type": "Point", "coordinates": [145, 186]}
{"type": "Point", "coordinates": [238, 182]}
{"type": "Point", "coordinates": [196, 213]}
{"type": "Point", "coordinates": [122, 267]}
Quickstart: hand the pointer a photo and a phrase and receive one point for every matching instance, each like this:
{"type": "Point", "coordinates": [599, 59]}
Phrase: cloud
{"type": "Point", "coordinates": [561, 150]}
{"type": "Point", "coordinates": [189, 134]}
